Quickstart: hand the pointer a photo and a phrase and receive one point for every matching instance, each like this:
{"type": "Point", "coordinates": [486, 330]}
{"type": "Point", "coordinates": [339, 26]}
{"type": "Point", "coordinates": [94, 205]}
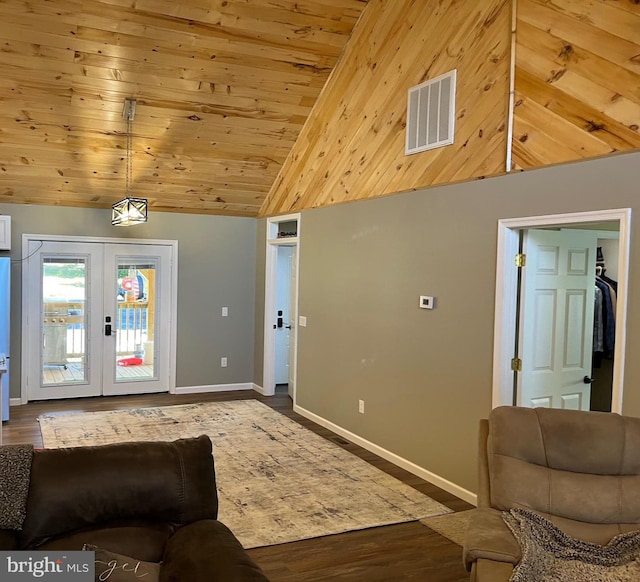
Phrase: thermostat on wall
{"type": "Point", "coordinates": [427, 302]}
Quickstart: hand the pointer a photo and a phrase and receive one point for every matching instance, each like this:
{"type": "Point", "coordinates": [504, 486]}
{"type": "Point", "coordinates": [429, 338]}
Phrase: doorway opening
{"type": "Point", "coordinates": [544, 330]}
{"type": "Point", "coordinates": [281, 305]}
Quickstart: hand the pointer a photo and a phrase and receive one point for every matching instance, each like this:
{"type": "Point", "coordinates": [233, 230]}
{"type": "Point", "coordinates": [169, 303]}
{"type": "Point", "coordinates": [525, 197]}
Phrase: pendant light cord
{"type": "Point", "coordinates": [129, 169]}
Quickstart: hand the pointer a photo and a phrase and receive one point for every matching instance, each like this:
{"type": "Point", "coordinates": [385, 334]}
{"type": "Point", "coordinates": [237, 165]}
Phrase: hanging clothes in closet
{"type": "Point", "coordinates": [604, 320]}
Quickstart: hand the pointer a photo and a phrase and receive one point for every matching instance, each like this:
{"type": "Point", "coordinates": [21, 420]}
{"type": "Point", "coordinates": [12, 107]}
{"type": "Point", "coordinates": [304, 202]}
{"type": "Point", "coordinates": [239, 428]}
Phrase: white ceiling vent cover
{"type": "Point", "coordinates": [431, 113]}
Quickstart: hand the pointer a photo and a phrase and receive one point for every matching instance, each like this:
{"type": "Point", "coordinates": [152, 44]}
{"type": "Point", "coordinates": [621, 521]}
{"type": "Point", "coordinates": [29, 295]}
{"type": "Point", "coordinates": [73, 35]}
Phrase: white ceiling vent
{"type": "Point", "coordinates": [431, 113]}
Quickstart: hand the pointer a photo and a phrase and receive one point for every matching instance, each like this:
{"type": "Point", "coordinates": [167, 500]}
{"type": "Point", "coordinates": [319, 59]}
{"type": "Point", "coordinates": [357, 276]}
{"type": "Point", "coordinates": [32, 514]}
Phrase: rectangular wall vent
{"type": "Point", "coordinates": [431, 113]}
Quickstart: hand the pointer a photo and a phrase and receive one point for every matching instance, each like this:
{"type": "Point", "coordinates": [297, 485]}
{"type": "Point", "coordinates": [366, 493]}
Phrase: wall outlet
{"type": "Point", "coordinates": [361, 406]}
{"type": "Point", "coordinates": [225, 311]}
{"type": "Point", "coordinates": [223, 362]}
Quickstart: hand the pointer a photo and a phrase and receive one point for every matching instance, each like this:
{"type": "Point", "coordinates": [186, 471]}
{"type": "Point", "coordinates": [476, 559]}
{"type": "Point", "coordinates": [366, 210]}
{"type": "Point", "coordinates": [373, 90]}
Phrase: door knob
{"type": "Point", "coordinates": [588, 380]}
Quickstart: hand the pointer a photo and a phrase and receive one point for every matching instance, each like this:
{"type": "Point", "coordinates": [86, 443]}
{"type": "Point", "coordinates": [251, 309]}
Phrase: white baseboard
{"type": "Point", "coordinates": [441, 482]}
{"type": "Point", "coordinates": [214, 388]}
{"type": "Point", "coordinates": [189, 390]}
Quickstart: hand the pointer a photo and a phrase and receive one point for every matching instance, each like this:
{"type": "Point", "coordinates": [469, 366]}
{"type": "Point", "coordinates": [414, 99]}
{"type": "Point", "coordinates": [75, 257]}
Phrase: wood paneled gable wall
{"type": "Point", "coordinates": [577, 95]}
{"type": "Point", "coordinates": [352, 145]}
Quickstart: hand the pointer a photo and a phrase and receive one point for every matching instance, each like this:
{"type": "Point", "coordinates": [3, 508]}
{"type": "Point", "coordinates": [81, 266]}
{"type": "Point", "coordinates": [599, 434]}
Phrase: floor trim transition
{"type": "Point", "coordinates": [214, 388]}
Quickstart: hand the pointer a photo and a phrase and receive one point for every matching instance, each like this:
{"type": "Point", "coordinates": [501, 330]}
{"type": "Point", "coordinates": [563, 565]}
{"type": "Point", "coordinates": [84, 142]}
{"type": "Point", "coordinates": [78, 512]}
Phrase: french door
{"type": "Point", "coordinates": [99, 318]}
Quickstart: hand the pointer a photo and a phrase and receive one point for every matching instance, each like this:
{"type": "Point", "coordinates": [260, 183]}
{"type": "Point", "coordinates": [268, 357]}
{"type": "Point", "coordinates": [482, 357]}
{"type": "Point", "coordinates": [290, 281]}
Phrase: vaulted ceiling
{"type": "Point", "coordinates": [223, 88]}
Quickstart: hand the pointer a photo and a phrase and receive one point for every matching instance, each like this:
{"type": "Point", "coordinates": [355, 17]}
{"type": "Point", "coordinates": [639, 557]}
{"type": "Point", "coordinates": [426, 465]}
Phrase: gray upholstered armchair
{"type": "Point", "coordinates": [581, 470]}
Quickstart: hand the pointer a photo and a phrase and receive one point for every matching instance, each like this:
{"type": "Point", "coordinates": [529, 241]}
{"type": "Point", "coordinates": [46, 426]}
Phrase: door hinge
{"type": "Point", "coordinates": [521, 260]}
{"type": "Point", "coordinates": [516, 364]}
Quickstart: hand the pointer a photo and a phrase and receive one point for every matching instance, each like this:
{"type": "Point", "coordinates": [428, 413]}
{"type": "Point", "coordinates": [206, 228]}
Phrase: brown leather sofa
{"type": "Point", "coordinates": [580, 470]}
{"type": "Point", "coordinates": [151, 501]}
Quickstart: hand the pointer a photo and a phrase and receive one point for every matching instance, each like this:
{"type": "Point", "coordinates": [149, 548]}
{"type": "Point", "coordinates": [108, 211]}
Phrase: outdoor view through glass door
{"type": "Point", "coordinates": [64, 338]}
{"type": "Point", "coordinates": [134, 322]}
{"type": "Point", "coordinates": [104, 319]}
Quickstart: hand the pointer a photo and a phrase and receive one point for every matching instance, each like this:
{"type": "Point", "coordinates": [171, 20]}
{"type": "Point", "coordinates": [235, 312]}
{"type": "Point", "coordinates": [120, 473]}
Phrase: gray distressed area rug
{"type": "Point", "coordinates": [277, 481]}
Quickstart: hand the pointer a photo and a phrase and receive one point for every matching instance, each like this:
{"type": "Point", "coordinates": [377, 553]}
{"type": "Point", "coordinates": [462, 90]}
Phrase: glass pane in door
{"type": "Point", "coordinates": [64, 281]}
{"type": "Point", "coordinates": [135, 319]}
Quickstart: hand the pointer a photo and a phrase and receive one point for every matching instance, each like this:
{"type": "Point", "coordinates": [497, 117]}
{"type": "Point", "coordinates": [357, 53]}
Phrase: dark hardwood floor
{"type": "Point", "coordinates": [408, 551]}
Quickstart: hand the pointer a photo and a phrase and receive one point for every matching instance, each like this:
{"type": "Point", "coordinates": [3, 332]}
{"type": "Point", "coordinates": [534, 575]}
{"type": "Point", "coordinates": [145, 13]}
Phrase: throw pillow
{"type": "Point", "coordinates": [118, 568]}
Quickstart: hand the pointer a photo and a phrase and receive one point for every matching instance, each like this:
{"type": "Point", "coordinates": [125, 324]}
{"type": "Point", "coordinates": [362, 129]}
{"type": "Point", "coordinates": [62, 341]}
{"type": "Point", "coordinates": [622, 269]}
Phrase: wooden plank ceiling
{"type": "Point", "coordinates": [577, 80]}
{"type": "Point", "coordinates": [223, 88]}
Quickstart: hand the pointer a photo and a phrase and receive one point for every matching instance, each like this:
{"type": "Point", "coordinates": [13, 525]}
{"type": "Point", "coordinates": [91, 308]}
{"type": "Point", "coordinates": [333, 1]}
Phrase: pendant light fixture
{"type": "Point", "coordinates": [129, 210]}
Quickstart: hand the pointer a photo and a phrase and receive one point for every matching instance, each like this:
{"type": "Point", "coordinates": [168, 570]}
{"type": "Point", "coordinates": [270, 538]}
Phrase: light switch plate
{"type": "Point", "coordinates": [427, 302]}
{"type": "Point", "coordinates": [302, 321]}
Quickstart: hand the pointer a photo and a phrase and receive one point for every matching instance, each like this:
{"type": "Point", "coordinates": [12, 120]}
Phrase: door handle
{"type": "Point", "coordinates": [288, 326]}
{"type": "Point", "coordinates": [588, 380]}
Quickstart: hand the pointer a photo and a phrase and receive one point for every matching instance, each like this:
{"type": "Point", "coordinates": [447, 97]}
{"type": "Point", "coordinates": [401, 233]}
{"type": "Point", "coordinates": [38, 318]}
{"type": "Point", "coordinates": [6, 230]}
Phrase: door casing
{"type": "Point", "coordinates": [293, 325]}
{"type": "Point", "coordinates": [271, 279]}
{"type": "Point", "coordinates": [27, 238]}
{"type": "Point", "coordinates": [507, 295]}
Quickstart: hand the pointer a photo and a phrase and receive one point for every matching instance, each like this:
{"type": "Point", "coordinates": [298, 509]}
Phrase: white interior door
{"type": "Point", "coordinates": [99, 319]}
{"type": "Point", "coordinates": [557, 310]}
{"type": "Point", "coordinates": [283, 304]}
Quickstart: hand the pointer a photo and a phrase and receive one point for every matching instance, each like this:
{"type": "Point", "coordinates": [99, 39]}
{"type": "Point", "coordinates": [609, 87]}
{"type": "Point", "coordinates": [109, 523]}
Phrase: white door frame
{"type": "Point", "coordinates": [270, 300]}
{"type": "Point", "coordinates": [27, 238]}
{"type": "Point", "coordinates": [507, 291]}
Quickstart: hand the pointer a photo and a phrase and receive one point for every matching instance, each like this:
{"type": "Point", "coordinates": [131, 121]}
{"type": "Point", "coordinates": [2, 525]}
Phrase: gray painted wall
{"type": "Point", "coordinates": [216, 268]}
{"type": "Point", "coordinates": [426, 376]}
